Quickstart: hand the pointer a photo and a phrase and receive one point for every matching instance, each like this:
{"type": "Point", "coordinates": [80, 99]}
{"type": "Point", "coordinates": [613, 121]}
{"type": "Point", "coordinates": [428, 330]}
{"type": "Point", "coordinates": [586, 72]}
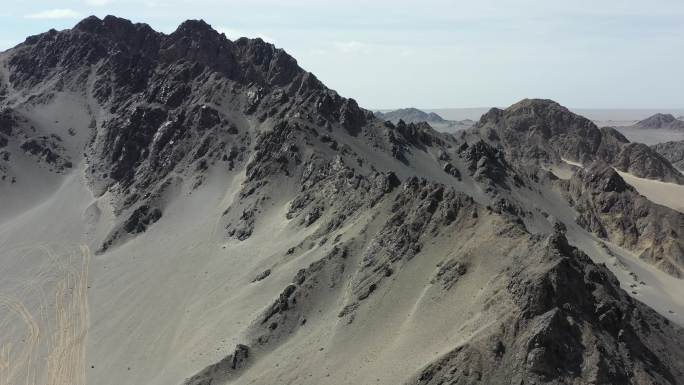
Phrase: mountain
{"type": "Point", "coordinates": [186, 209]}
{"type": "Point", "coordinates": [414, 115]}
{"type": "Point", "coordinates": [672, 151]}
{"type": "Point", "coordinates": [410, 115]}
{"type": "Point", "coordinates": [541, 131]}
{"type": "Point", "coordinates": [661, 121]}
{"type": "Point", "coordinates": [608, 205]}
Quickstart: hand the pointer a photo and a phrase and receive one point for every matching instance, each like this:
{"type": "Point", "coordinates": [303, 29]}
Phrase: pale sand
{"type": "Point", "coordinates": [662, 193]}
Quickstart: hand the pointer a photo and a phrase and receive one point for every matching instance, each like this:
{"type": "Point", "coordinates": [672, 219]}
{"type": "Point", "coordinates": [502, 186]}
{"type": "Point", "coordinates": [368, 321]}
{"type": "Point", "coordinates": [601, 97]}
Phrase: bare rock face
{"type": "Point", "coordinates": [642, 161]}
{"type": "Point", "coordinates": [486, 164]}
{"type": "Point", "coordinates": [545, 130]}
{"type": "Point", "coordinates": [612, 209]}
{"type": "Point", "coordinates": [177, 104]}
{"type": "Point", "coordinates": [419, 210]}
{"type": "Point", "coordinates": [672, 151]}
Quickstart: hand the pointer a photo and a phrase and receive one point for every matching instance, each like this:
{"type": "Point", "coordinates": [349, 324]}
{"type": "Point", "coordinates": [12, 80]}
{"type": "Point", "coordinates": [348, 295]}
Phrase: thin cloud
{"type": "Point", "coordinates": [53, 14]}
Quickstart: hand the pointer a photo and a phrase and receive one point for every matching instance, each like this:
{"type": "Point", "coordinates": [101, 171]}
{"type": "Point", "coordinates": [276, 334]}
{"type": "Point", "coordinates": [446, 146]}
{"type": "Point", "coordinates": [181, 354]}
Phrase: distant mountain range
{"type": "Point", "coordinates": [414, 115]}
{"type": "Point", "coordinates": [410, 115]}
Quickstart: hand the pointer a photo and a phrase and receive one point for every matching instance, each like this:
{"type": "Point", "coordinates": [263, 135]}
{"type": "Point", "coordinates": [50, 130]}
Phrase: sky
{"type": "Point", "coordinates": [434, 53]}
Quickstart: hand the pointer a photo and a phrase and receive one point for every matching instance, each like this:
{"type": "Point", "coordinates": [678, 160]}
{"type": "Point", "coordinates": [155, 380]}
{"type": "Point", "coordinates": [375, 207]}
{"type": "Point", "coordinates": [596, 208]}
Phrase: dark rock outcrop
{"type": "Point", "coordinates": [572, 324]}
{"type": "Point", "coordinates": [644, 162]}
{"type": "Point", "coordinates": [48, 150]}
{"type": "Point", "coordinates": [672, 151]}
{"type": "Point", "coordinates": [223, 370]}
{"type": "Point", "coordinates": [612, 209]}
{"type": "Point", "coordinates": [179, 103]}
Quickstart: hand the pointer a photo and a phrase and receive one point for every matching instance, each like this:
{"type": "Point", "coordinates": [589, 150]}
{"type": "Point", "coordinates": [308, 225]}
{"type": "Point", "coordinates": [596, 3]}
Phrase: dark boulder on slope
{"type": "Point", "coordinates": [410, 115]}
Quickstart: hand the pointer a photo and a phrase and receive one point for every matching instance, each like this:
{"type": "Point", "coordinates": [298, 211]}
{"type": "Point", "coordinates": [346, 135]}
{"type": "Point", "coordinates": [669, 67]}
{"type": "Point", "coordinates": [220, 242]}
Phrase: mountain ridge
{"type": "Point", "coordinates": [414, 115]}
{"type": "Point", "coordinates": [252, 225]}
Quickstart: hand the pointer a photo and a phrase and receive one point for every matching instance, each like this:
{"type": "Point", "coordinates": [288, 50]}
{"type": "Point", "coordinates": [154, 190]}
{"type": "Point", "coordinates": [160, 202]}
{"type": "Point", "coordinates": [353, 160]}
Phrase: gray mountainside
{"type": "Point", "coordinates": [461, 224]}
{"type": "Point", "coordinates": [410, 115]}
{"type": "Point", "coordinates": [672, 151]}
{"type": "Point", "coordinates": [661, 121]}
{"type": "Point", "coordinates": [613, 209]}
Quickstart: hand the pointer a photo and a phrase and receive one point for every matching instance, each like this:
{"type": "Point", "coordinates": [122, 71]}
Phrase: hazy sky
{"type": "Point", "coordinates": [434, 53]}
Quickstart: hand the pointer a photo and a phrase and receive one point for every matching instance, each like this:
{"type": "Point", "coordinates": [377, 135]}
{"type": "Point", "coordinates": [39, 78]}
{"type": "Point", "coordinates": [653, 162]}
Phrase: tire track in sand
{"type": "Point", "coordinates": [66, 363]}
{"type": "Point", "coordinates": [13, 369]}
{"type": "Point", "coordinates": [65, 331]}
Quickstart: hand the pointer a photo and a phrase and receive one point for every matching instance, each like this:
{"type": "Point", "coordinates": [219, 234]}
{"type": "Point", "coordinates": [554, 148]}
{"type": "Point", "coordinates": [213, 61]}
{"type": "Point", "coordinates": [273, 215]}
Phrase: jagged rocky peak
{"type": "Point", "coordinates": [198, 28]}
{"type": "Point", "coordinates": [178, 104]}
{"type": "Point", "coordinates": [67, 56]}
{"type": "Point", "coordinates": [138, 49]}
{"type": "Point", "coordinates": [114, 27]}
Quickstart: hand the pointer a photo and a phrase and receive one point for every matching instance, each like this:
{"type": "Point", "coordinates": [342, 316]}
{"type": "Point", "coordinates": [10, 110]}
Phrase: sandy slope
{"type": "Point", "coordinates": [183, 298]}
{"type": "Point", "coordinates": [662, 193]}
{"type": "Point", "coordinates": [177, 298]}
{"type": "Point", "coordinates": [45, 292]}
